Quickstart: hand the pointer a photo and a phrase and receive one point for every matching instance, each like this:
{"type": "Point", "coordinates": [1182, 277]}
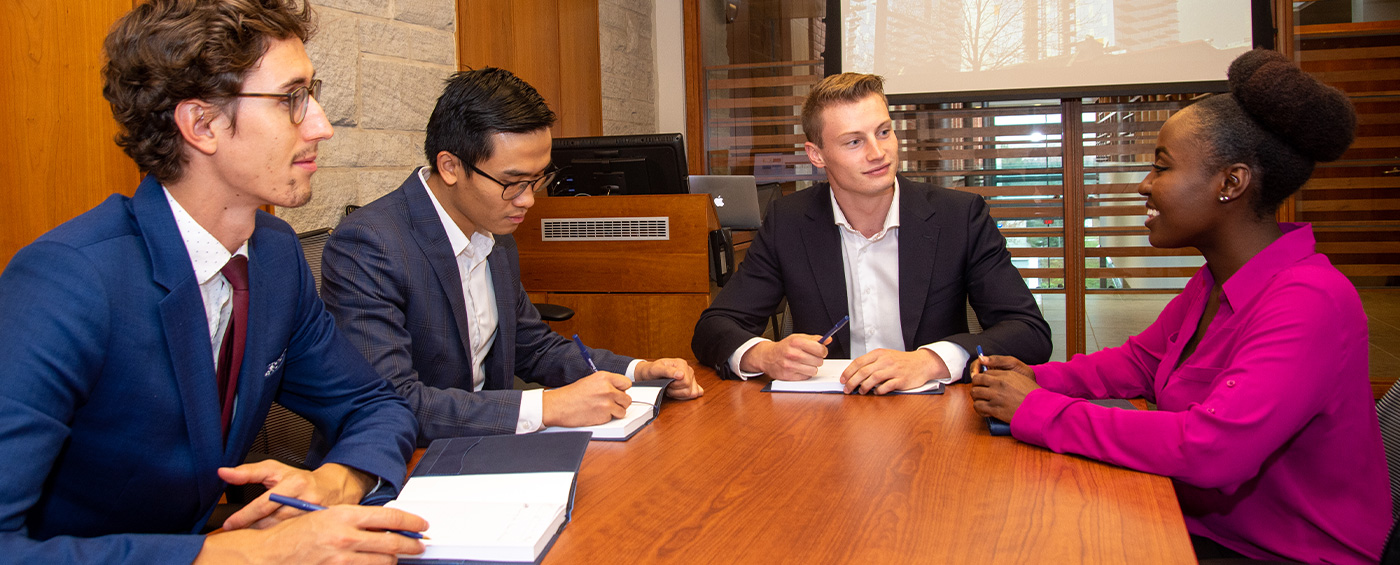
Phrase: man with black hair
{"type": "Point", "coordinates": [426, 280]}
{"type": "Point", "coordinates": [142, 343]}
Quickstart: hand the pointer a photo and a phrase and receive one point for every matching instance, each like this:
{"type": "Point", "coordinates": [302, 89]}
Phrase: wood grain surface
{"type": "Point", "coordinates": [743, 476]}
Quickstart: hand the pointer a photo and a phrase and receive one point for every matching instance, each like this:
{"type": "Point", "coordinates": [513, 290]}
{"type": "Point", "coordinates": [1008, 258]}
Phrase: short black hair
{"type": "Point", "coordinates": [477, 104]}
{"type": "Point", "coordinates": [1278, 120]}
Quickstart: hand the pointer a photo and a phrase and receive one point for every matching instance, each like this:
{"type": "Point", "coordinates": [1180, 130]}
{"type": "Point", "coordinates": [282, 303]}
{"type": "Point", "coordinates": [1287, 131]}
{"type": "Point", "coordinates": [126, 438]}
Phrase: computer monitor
{"type": "Point", "coordinates": [621, 164]}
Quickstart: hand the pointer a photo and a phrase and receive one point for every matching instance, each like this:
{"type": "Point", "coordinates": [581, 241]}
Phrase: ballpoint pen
{"type": "Point", "coordinates": [835, 328]}
{"type": "Point", "coordinates": [982, 358]}
{"type": "Point", "coordinates": [305, 506]}
{"type": "Point", "coordinates": [584, 351]}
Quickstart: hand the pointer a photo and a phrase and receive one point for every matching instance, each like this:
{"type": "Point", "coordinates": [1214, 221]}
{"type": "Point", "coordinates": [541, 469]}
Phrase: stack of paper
{"type": "Point", "coordinates": [506, 517]}
{"type": "Point", "coordinates": [828, 379]}
{"type": "Point", "coordinates": [646, 401]}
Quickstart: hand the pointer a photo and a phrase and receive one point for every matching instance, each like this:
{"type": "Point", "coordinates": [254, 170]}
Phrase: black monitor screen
{"type": "Point", "coordinates": [621, 164]}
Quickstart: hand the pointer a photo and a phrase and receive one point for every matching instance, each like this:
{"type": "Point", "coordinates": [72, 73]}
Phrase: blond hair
{"type": "Point", "coordinates": [843, 88]}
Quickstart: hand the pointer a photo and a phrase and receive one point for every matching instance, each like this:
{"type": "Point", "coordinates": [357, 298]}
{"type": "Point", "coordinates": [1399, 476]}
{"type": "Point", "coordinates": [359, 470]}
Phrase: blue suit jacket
{"type": "Point", "coordinates": [109, 417]}
{"type": "Point", "coordinates": [950, 254]}
{"type": "Point", "coordinates": [391, 280]}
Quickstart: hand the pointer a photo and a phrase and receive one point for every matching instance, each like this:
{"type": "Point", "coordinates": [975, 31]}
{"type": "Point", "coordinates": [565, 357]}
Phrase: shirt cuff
{"type": "Point", "coordinates": [953, 356]}
{"type": "Point", "coordinates": [531, 411]}
{"type": "Point", "coordinates": [739, 354]}
{"type": "Point", "coordinates": [631, 373]}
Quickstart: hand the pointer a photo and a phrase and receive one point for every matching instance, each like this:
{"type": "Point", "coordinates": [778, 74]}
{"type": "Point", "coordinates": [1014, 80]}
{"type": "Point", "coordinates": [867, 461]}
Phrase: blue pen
{"type": "Point", "coordinates": [982, 358]}
{"type": "Point", "coordinates": [584, 350]}
{"type": "Point", "coordinates": [305, 506]}
{"type": "Point", "coordinates": [835, 328]}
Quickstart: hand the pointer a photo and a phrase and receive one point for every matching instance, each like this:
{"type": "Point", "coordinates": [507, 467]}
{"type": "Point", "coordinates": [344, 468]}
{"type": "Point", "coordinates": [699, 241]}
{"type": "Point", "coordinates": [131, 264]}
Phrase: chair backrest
{"type": "Point", "coordinates": [312, 244]}
{"type": "Point", "coordinates": [286, 436]}
{"type": "Point", "coordinates": [1388, 409]}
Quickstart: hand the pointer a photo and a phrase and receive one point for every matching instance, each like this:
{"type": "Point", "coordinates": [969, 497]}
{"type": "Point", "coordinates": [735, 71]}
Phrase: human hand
{"type": "Point", "coordinates": [795, 358]}
{"type": "Point", "coordinates": [1002, 362]}
{"type": "Point", "coordinates": [328, 485]}
{"type": "Point", "coordinates": [594, 399]}
{"type": "Point", "coordinates": [683, 386]}
{"type": "Point", "coordinates": [886, 370]}
{"type": "Point", "coordinates": [998, 392]}
{"type": "Point", "coordinates": [339, 534]}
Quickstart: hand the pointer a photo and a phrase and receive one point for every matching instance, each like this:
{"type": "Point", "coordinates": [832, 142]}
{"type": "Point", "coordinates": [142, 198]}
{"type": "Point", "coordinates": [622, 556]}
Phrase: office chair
{"type": "Point", "coordinates": [286, 436]}
{"type": "Point", "coordinates": [1388, 410]}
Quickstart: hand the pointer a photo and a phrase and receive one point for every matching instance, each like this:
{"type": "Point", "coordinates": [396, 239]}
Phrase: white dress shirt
{"type": "Point", "coordinates": [871, 266]}
{"type": "Point", "coordinates": [208, 257]}
{"type": "Point", "coordinates": [479, 296]}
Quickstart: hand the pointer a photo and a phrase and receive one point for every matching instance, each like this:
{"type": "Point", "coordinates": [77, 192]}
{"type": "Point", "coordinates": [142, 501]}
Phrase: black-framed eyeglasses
{"type": "Point", "coordinates": [513, 190]}
{"type": "Point", "coordinates": [297, 100]}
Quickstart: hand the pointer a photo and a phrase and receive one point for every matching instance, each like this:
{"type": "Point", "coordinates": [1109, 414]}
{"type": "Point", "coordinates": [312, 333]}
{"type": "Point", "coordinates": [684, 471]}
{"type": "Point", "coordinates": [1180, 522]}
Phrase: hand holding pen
{"type": "Point", "coordinates": [594, 399]}
{"type": "Point", "coordinates": [305, 506]}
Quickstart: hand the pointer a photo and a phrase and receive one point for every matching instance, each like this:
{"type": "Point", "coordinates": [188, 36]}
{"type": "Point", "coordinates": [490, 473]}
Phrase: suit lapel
{"type": "Point", "coordinates": [504, 347]}
{"type": "Point", "coordinates": [820, 237]}
{"type": "Point", "coordinates": [269, 268]}
{"type": "Point", "coordinates": [918, 245]}
{"type": "Point", "coordinates": [432, 239]}
{"type": "Point", "coordinates": [186, 328]}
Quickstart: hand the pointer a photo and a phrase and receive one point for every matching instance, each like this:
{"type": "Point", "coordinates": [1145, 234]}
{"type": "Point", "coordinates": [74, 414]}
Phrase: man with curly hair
{"type": "Point", "coordinates": [142, 342]}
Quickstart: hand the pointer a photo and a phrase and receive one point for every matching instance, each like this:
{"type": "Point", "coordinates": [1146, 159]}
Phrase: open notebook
{"type": "Point", "coordinates": [828, 379]}
{"type": "Point", "coordinates": [646, 404]}
{"type": "Point", "coordinates": [494, 499]}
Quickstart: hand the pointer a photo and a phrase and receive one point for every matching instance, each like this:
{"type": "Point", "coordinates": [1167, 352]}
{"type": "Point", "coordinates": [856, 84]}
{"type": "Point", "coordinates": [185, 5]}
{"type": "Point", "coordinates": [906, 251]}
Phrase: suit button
{"type": "Point", "coordinates": [1230, 382]}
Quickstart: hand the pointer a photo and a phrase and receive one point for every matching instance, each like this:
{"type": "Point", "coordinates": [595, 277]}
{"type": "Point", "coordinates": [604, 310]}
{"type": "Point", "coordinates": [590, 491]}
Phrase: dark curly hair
{"type": "Point", "coordinates": [477, 104]}
{"type": "Point", "coordinates": [1278, 120]}
{"type": "Point", "coordinates": [164, 52]}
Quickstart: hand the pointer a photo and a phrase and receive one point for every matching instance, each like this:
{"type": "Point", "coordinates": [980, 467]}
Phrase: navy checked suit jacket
{"type": "Point", "coordinates": [391, 280]}
{"type": "Point", "coordinates": [109, 417]}
{"type": "Point", "coordinates": [950, 254]}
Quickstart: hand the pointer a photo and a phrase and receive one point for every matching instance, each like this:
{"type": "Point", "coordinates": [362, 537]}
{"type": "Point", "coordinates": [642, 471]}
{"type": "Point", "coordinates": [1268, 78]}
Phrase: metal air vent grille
{"type": "Point", "coordinates": [606, 229]}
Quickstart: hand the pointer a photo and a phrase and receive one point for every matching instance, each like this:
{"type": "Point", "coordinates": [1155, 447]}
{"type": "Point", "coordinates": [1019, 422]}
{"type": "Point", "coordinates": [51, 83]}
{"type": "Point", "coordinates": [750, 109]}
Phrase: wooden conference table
{"type": "Point", "coordinates": [743, 476]}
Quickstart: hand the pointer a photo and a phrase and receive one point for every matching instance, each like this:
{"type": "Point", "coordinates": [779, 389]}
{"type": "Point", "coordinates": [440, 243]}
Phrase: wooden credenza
{"type": "Point", "coordinates": [637, 297]}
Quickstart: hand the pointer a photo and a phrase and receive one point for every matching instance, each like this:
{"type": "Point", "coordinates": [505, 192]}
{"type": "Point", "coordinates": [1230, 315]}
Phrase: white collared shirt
{"type": "Point", "coordinates": [208, 257]}
{"type": "Point", "coordinates": [479, 296]}
{"type": "Point", "coordinates": [871, 271]}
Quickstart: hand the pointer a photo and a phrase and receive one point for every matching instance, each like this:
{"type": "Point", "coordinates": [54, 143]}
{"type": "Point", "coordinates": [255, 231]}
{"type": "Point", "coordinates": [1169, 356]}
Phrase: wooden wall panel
{"type": "Point", "coordinates": [551, 44]}
{"type": "Point", "coordinates": [57, 157]}
{"type": "Point", "coordinates": [646, 326]}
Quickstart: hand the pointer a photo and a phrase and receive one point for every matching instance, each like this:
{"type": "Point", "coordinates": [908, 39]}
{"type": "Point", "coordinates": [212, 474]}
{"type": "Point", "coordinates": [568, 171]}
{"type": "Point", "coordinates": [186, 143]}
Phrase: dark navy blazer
{"type": "Point", "coordinates": [391, 280]}
{"type": "Point", "coordinates": [950, 254]}
{"type": "Point", "coordinates": [109, 417]}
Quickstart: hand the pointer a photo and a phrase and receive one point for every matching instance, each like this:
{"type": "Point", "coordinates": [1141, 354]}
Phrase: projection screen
{"type": "Point", "coordinates": [933, 49]}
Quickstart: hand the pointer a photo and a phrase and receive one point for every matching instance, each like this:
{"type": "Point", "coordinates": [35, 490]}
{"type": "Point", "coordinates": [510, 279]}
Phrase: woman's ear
{"type": "Point", "coordinates": [1238, 178]}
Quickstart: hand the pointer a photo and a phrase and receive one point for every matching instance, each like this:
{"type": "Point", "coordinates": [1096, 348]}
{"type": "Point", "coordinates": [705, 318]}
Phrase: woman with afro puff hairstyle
{"type": "Point", "coordinates": [1265, 421]}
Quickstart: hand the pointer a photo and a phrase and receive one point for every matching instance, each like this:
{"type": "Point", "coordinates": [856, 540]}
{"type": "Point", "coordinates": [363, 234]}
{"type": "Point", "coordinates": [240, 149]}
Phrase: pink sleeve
{"type": "Point", "coordinates": [1119, 372]}
{"type": "Point", "coordinates": [1284, 351]}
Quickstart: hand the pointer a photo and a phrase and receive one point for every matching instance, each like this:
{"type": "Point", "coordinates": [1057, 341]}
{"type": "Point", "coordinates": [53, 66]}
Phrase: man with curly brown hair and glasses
{"type": "Point", "coordinates": [142, 342]}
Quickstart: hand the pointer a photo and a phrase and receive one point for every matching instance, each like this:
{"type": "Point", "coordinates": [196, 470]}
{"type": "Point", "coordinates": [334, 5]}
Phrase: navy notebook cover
{"type": "Point", "coordinates": [1000, 428]}
{"type": "Point", "coordinates": [529, 453]}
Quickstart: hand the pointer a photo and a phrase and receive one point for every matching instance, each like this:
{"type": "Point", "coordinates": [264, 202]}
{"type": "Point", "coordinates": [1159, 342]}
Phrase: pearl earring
{"type": "Point", "coordinates": [1224, 198]}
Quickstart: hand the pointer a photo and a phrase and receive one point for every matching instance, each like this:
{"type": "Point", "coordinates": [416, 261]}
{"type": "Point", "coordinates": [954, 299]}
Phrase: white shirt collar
{"type": "Point", "coordinates": [206, 253]}
{"type": "Point", "coordinates": [479, 243]}
{"type": "Point", "coordinates": [891, 217]}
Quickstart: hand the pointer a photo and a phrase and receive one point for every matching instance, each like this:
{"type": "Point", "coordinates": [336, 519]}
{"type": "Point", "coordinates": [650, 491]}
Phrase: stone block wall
{"type": "Point", "coordinates": [627, 48]}
{"type": "Point", "coordinates": [382, 63]}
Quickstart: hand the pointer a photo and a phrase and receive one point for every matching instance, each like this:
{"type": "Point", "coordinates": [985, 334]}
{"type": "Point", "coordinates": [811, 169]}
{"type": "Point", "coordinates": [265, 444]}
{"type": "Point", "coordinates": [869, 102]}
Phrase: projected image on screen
{"type": "Point", "coordinates": [939, 46]}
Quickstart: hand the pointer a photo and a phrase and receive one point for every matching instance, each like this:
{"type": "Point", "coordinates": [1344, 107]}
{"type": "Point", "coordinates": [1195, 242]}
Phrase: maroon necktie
{"type": "Point", "coordinates": [231, 352]}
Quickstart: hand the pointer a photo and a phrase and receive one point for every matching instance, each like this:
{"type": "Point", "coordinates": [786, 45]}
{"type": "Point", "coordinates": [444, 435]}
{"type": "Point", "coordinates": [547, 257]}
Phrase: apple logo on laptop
{"type": "Point", "coordinates": [719, 201]}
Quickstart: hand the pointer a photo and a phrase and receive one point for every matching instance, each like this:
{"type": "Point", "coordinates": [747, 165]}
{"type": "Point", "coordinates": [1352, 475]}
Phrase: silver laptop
{"type": "Point", "coordinates": [735, 197]}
